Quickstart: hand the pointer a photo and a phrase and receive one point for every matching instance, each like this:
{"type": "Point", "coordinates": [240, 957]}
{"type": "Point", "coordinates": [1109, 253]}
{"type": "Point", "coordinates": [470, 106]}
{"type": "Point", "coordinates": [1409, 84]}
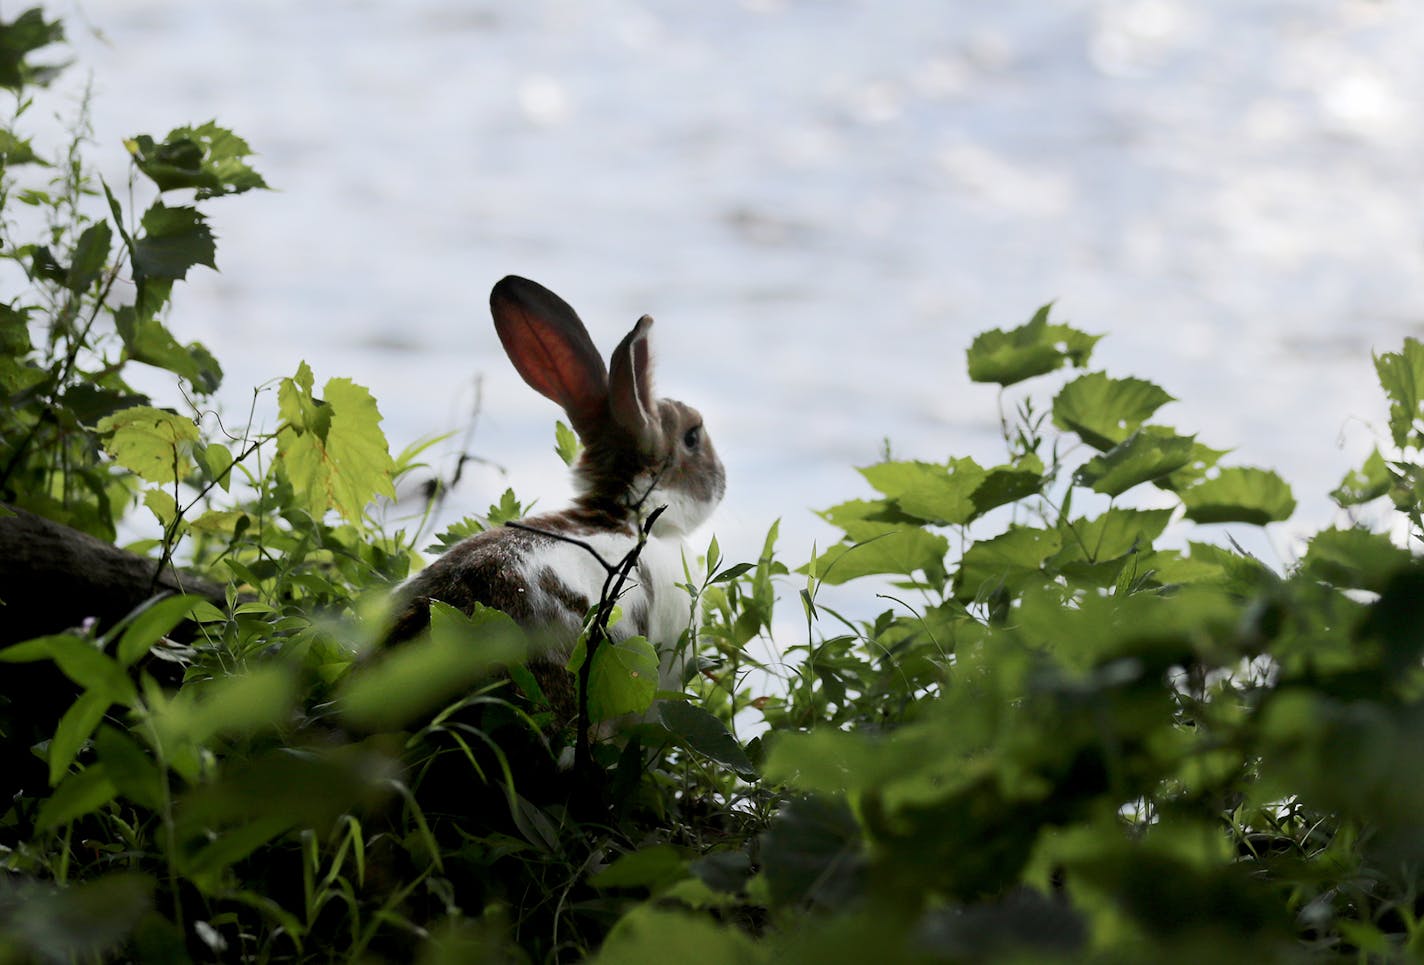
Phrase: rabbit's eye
{"type": "Point", "coordinates": [693, 438]}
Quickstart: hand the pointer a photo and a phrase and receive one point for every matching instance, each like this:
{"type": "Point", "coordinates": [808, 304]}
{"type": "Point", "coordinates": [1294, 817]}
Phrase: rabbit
{"type": "Point", "coordinates": [639, 453]}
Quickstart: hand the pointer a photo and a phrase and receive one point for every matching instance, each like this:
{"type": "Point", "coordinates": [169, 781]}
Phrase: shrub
{"type": "Point", "coordinates": [1076, 728]}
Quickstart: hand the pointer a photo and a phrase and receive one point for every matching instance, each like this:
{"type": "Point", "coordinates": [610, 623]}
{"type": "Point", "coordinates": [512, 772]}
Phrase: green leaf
{"type": "Point", "coordinates": [217, 459]}
{"type": "Point", "coordinates": [131, 770]}
{"type": "Point", "coordinates": [566, 443]}
{"type": "Point", "coordinates": [1009, 484]}
{"type": "Point", "coordinates": [74, 729]}
{"type": "Point", "coordinates": [506, 510]}
{"type": "Point", "coordinates": [1105, 411]}
{"type": "Point", "coordinates": [163, 506]}
{"type": "Point", "coordinates": [208, 158]}
{"type": "Point", "coordinates": [15, 151]}
{"type": "Point", "coordinates": [149, 341]}
{"type": "Point", "coordinates": [901, 551]}
{"type": "Point", "coordinates": [1200, 461]}
{"type": "Point", "coordinates": [732, 572]}
{"type": "Point", "coordinates": [1353, 558]}
{"type": "Point", "coordinates": [153, 443]}
{"type": "Point", "coordinates": [863, 519]}
{"type": "Point", "coordinates": [21, 37]}
{"type": "Point", "coordinates": [1401, 375]}
{"type": "Point", "coordinates": [933, 493]}
{"type": "Point", "coordinates": [1149, 453]}
{"type": "Point", "coordinates": [91, 253]}
{"type": "Point", "coordinates": [1115, 533]}
{"type": "Point", "coordinates": [81, 660]}
{"type": "Point", "coordinates": [332, 448]}
{"type": "Point", "coordinates": [150, 623]}
{"type": "Point", "coordinates": [81, 793]}
{"type": "Point", "coordinates": [813, 854]}
{"type": "Point", "coordinates": [417, 678]}
{"type": "Point", "coordinates": [245, 703]}
{"type": "Point", "coordinates": [624, 678]}
{"type": "Point", "coordinates": [654, 868]}
{"type": "Point", "coordinates": [705, 734]}
{"type": "Point", "coordinates": [651, 934]}
{"type": "Point", "coordinates": [1034, 348]}
{"type": "Point", "coordinates": [173, 240]}
{"type": "Point", "coordinates": [1005, 560]}
{"type": "Point", "coordinates": [1240, 495]}
{"type": "Point", "coordinates": [206, 865]}
{"type": "Point", "coordinates": [1371, 481]}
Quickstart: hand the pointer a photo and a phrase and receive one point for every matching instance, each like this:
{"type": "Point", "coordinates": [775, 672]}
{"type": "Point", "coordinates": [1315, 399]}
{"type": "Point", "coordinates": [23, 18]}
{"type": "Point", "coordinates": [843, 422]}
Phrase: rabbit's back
{"type": "Point", "coordinates": [548, 584]}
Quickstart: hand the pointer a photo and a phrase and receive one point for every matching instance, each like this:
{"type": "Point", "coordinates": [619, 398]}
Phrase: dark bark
{"type": "Point", "coordinates": [53, 578]}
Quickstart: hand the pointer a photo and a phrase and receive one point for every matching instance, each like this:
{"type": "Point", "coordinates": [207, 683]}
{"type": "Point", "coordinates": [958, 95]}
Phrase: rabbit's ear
{"type": "Point", "coordinates": [630, 386]}
{"type": "Point", "coordinates": [549, 346]}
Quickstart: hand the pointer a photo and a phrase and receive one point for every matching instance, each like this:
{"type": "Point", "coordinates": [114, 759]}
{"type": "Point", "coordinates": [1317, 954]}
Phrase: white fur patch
{"type": "Point", "coordinates": [684, 512]}
{"type": "Point", "coordinates": [650, 591]}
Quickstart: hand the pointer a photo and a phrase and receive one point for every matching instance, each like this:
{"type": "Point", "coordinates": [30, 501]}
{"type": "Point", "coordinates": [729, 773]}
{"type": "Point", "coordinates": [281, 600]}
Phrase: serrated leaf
{"type": "Point", "coordinates": [1104, 411]}
{"type": "Point", "coordinates": [1008, 484]}
{"type": "Point", "coordinates": [1401, 375]}
{"type": "Point", "coordinates": [173, 241]}
{"type": "Point", "coordinates": [333, 449]}
{"type": "Point", "coordinates": [506, 510]}
{"type": "Point", "coordinates": [27, 33]}
{"type": "Point", "coordinates": [566, 443]}
{"type": "Point", "coordinates": [1353, 558]}
{"type": "Point", "coordinates": [1149, 453]}
{"type": "Point", "coordinates": [1034, 348]}
{"type": "Point", "coordinates": [1115, 533]}
{"type": "Point", "coordinates": [901, 551]}
{"type": "Point", "coordinates": [1371, 481]}
{"type": "Point", "coordinates": [624, 678]}
{"type": "Point", "coordinates": [15, 151]}
{"type": "Point", "coordinates": [151, 442]}
{"type": "Point", "coordinates": [705, 734]}
{"type": "Point", "coordinates": [1240, 495]}
{"type": "Point", "coordinates": [208, 157]}
{"type": "Point", "coordinates": [1200, 462]}
{"type": "Point", "coordinates": [863, 519]}
{"type": "Point", "coordinates": [942, 494]}
{"type": "Point", "coordinates": [1005, 560]}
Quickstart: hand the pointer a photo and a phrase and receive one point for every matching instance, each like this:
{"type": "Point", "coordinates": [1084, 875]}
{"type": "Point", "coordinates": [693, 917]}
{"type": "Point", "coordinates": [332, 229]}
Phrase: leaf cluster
{"type": "Point", "coordinates": [1077, 723]}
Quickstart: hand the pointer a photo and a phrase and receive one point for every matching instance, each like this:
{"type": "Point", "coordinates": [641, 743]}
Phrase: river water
{"type": "Point", "coordinates": [821, 201]}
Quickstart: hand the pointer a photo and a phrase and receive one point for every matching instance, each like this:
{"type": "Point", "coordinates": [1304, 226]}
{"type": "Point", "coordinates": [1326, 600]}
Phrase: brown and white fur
{"type": "Point", "coordinates": [639, 453]}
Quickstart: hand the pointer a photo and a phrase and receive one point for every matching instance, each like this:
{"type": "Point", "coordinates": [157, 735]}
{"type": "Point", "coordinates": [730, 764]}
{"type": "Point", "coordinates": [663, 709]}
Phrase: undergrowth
{"type": "Point", "coordinates": [1058, 739]}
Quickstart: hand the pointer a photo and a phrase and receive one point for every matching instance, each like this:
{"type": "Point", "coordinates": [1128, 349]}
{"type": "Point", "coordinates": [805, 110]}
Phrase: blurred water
{"type": "Point", "coordinates": [821, 201]}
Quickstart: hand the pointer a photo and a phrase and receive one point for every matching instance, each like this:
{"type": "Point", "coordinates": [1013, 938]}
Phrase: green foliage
{"type": "Point", "coordinates": [1068, 728]}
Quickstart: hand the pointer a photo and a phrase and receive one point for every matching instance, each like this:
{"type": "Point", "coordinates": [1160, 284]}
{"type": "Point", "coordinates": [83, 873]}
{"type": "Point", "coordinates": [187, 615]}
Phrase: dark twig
{"type": "Point", "coordinates": [617, 577]}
